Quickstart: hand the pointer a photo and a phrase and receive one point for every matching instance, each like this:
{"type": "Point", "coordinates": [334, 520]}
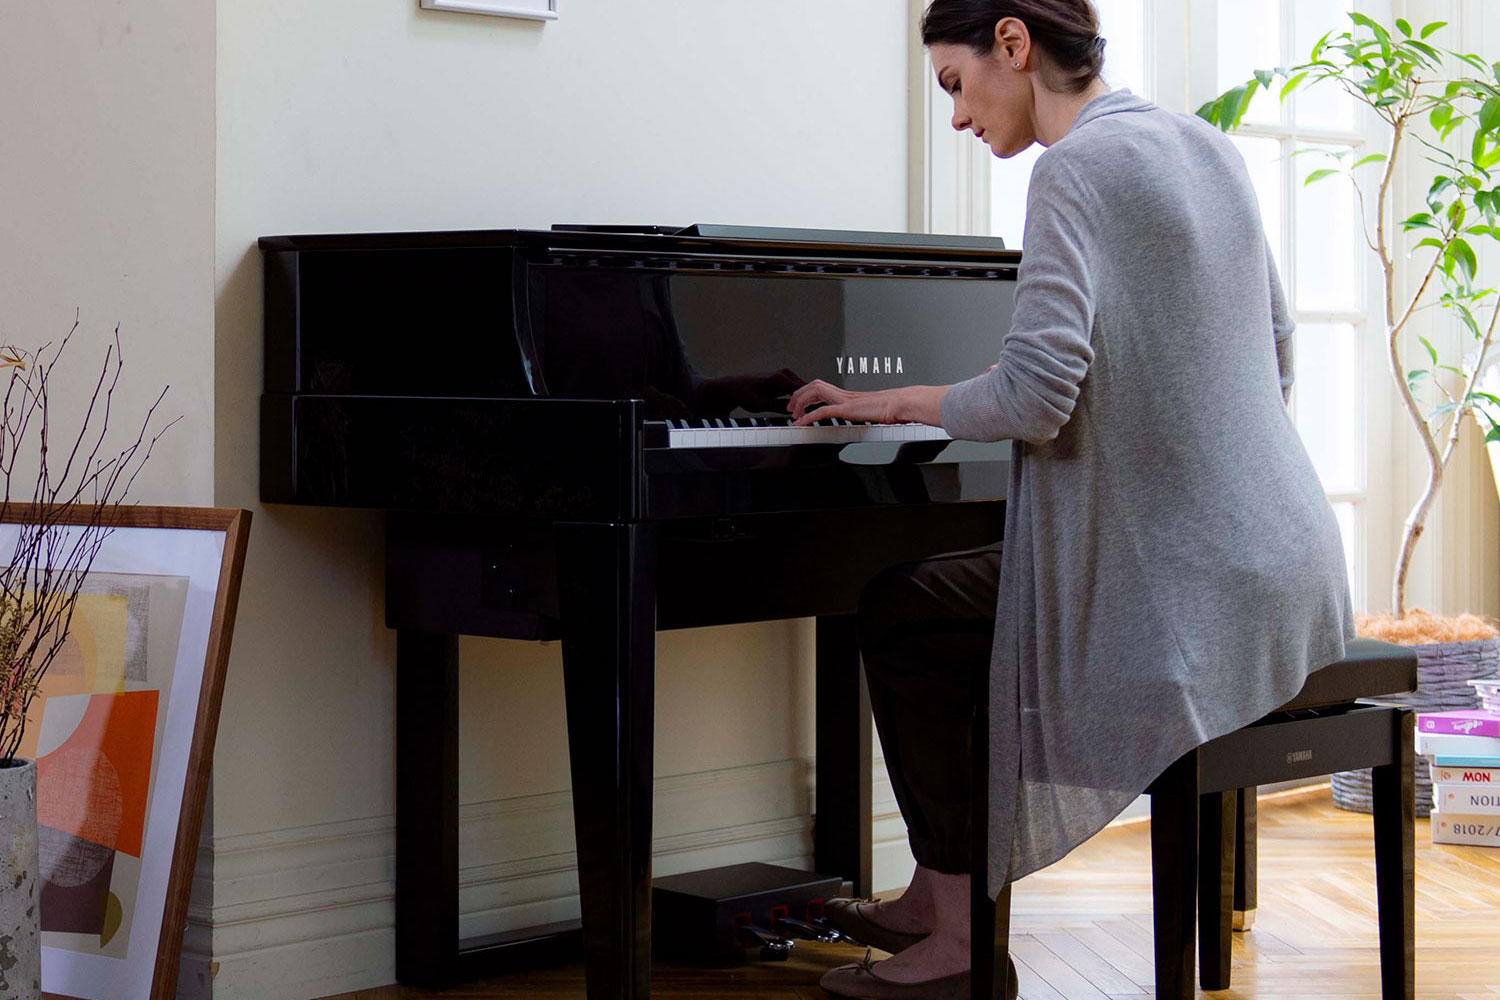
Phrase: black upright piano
{"type": "Point", "coordinates": [581, 434]}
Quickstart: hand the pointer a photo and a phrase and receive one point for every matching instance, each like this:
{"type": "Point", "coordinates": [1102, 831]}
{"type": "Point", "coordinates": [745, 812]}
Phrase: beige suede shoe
{"type": "Point", "coordinates": [859, 981]}
{"type": "Point", "coordinates": [845, 915]}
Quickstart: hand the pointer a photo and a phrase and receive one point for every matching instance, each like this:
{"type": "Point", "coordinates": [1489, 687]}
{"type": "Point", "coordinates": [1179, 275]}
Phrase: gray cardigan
{"type": "Point", "coordinates": [1172, 569]}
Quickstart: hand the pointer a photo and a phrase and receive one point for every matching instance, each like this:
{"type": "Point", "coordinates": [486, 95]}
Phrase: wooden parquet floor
{"type": "Point", "coordinates": [1081, 930]}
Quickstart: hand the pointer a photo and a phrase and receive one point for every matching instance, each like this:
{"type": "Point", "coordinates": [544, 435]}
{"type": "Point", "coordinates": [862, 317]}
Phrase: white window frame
{"type": "Point", "coordinates": [950, 192]}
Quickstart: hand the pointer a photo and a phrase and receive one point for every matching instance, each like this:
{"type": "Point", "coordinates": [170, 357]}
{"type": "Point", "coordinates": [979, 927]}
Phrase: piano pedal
{"type": "Point", "coordinates": [773, 947]}
{"type": "Point", "coordinates": [807, 930]}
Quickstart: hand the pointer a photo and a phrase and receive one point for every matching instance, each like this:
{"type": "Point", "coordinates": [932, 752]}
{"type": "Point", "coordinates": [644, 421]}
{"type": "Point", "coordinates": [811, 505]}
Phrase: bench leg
{"type": "Point", "coordinates": [989, 921]}
{"type": "Point", "coordinates": [1216, 868]}
{"type": "Point", "coordinates": [991, 976]}
{"type": "Point", "coordinates": [1174, 874]}
{"type": "Point", "coordinates": [1393, 791]}
{"type": "Point", "coordinates": [1245, 858]}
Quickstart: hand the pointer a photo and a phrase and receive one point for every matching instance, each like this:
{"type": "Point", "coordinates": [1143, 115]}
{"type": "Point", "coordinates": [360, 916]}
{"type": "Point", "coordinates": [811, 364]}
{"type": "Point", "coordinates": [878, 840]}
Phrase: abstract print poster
{"type": "Point", "coordinates": [112, 734]}
{"type": "Point", "coordinates": [96, 734]}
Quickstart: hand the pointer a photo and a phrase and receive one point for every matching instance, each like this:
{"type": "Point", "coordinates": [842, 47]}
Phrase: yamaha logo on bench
{"type": "Point", "coordinates": [1299, 756]}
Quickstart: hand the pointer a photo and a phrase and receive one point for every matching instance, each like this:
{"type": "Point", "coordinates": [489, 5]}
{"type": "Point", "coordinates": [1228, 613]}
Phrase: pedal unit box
{"type": "Point", "coordinates": [698, 915]}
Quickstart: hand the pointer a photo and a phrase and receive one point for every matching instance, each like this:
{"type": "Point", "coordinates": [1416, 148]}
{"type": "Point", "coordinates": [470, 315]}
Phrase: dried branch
{"type": "Point", "coordinates": [55, 548]}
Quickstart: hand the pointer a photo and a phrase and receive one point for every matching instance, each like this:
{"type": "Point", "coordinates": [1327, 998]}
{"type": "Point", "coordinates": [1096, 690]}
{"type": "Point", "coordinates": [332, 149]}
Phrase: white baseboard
{"type": "Point", "coordinates": [306, 913]}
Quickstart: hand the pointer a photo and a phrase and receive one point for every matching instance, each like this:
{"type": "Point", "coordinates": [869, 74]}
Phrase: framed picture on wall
{"type": "Point", "coordinates": [537, 10]}
{"type": "Point", "coordinates": [122, 732]}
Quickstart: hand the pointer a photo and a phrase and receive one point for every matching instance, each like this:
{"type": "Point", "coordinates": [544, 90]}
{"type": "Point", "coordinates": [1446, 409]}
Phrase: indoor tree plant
{"type": "Point", "coordinates": [61, 494]}
{"type": "Point", "coordinates": [1440, 115]}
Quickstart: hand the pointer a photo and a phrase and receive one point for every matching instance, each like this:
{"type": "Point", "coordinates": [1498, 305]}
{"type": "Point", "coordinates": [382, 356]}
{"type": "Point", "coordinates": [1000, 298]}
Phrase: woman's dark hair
{"type": "Point", "coordinates": [1068, 31]}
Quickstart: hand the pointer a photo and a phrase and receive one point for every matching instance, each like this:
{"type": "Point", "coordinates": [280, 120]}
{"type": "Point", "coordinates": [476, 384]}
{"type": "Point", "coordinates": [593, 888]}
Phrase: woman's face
{"type": "Point", "coordinates": [991, 97]}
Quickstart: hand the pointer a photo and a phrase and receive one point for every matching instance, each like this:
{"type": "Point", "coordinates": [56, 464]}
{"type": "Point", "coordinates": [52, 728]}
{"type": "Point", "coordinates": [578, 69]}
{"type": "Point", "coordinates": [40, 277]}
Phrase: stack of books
{"type": "Point", "coordinates": [1464, 747]}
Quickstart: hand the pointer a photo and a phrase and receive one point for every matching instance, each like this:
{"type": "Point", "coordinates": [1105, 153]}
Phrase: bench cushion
{"type": "Point", "coordinates": [1370, 668]}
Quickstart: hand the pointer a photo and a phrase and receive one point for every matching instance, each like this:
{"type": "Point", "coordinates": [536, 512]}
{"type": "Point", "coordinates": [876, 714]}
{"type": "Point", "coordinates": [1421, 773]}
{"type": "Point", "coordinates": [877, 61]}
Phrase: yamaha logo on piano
{"type": "Point", "coordinates": [870, 366]}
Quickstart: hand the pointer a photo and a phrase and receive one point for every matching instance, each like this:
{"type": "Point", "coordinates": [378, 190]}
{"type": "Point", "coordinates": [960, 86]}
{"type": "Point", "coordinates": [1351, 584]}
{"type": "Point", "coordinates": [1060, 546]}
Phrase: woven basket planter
{"type": "Point", "coordinates": [1443, 672]}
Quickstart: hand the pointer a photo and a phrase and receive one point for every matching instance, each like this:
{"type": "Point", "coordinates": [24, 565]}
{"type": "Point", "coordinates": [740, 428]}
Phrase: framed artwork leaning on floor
{"type": "Point", "coordinates": [122, 733]}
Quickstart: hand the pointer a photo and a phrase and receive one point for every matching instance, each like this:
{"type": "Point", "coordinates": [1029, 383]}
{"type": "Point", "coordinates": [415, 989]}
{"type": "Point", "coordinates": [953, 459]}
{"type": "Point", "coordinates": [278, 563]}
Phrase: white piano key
{"type": "Point", "coordinates": [728, 434]}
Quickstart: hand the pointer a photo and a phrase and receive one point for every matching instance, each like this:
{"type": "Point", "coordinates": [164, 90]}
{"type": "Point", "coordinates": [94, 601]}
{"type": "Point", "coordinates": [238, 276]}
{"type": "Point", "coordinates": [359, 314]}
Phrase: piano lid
{"type": "Point", "coordinates": [696, 326]}
{"type": "Point", "coordinates": [814, 237]}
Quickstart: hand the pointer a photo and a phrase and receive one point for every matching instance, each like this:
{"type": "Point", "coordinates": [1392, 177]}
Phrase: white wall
{"type": "Point", "coordinates": [348, 115]}
{"type": "Point", "coordinates": [106, 212]}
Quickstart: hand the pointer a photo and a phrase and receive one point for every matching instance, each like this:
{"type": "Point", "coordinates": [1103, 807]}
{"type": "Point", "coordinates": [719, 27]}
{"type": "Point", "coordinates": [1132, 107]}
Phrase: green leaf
{"type": "Point", "coordinates": [1493, 435]}
{"type": "Point", "coordinates": [1291, 84]}
{"type": "Point", "coordinates": [1489, 114]}
{"type": "Point", "coordinates": [1265, 76]}
{"type": "Point", "coordinates": [1468, 320]}
{"type": "Point", "coordinates": [1363, 21]}
{"type": "Point", "coordinates": [1441, 115]}
{"type": "Point", "coordinates": [1319, 45]}
{"type": "Point", "coordinates": [1434, 26]}
{"type": "Point", "coordinates": [1403, 26]}
{"type": "Point", "coordinates": [1318, 175]}
{"type": "Point", "coordinates": [1372, 158]}
{"type": "Point", "coordinates": [1422, 220]}
{"type": "Point", "coordinates": [1413, 377]}
{"type": "Point", "coordinates": [1439, 185]}
{"type": "Point", "coordinates": [1451, 91]}
{"type": "Point", "coordinates": [1463, 255]}
{"type": "Point", "coordinates": [1474, 61]}
{"type": "Point", "coordinates": [1428, 242]}
{"type": "Point", "coordinates": [1426, 50]}
{"type": "Point", "coordinates": [1442, 411]}
{"type": "Point", "coordinates": [1387, 101]}
{"type": "Point", "coordinates": [1431, 351]}
{"type": "Point", "coordinates": [1456, 214]}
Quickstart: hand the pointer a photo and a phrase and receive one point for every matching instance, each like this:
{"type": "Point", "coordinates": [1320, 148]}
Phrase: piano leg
{"type": "Point", "coordinates": [841, 834]}
{"type": "Point", "coordinates": [607, 595]}
{"type": "Point", "coordinates": [426, 809]}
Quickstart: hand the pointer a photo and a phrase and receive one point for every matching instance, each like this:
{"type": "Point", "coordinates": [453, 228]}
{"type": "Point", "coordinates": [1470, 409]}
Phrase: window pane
{"type": "Point", "coordinates": [1328, 405]}
{"type": "Point", "coordinates": [1250, 39]}
{"type": "Point", "coordinates": [1351, 526]}
{"type": "Point", "coordinates": [1328, 242]}
{"type": "Point", "coordinates": [1009, 180]}
{"type": "Point", "coordinates": [1123, 25]}
{"type": "Point", "coordinates": [1263, 160]}
{"type": "Point", "coordinates": [1325, 105]}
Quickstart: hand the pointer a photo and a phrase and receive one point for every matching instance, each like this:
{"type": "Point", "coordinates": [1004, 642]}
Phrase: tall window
{"type": "Point", "coordinates": [1316, 237]}
{"type": "Point", "coordinates": [1315, 232]}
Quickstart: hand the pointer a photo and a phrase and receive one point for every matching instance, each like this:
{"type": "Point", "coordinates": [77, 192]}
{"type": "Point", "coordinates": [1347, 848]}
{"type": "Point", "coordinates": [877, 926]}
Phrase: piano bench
{"type": "Point", "coordinates": [1200, 805]}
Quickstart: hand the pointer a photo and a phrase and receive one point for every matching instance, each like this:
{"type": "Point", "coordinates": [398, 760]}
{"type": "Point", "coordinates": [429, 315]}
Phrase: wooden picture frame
{"type": "Point", "coordinates": [196, 555]}
{"type": "Point", "coordinates": [536, 10]}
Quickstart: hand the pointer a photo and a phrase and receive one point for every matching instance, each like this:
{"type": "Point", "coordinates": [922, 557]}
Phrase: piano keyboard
{"type": "Point", "coordinates": [745, 432]}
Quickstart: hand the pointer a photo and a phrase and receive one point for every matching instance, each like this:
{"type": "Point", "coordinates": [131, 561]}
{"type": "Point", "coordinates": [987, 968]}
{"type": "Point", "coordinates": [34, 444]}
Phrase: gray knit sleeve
{"type": "Point", "coordinates": [1031, 391]}
{"type": "Point", "coordinates": [1282, 327]}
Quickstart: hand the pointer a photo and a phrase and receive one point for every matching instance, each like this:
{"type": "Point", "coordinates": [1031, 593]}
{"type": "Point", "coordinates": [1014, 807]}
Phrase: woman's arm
{"type": "Point", "coordinates": [1030, 393]}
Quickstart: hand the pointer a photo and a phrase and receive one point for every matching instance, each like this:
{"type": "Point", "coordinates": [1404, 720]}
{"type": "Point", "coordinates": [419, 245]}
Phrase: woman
{"type": "Point", "coordinates": [1171, 568]}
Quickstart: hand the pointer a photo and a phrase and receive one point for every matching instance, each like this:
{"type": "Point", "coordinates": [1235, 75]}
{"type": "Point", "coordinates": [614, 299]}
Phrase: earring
{"type": "Point", "coordinates": [1016, 65]}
